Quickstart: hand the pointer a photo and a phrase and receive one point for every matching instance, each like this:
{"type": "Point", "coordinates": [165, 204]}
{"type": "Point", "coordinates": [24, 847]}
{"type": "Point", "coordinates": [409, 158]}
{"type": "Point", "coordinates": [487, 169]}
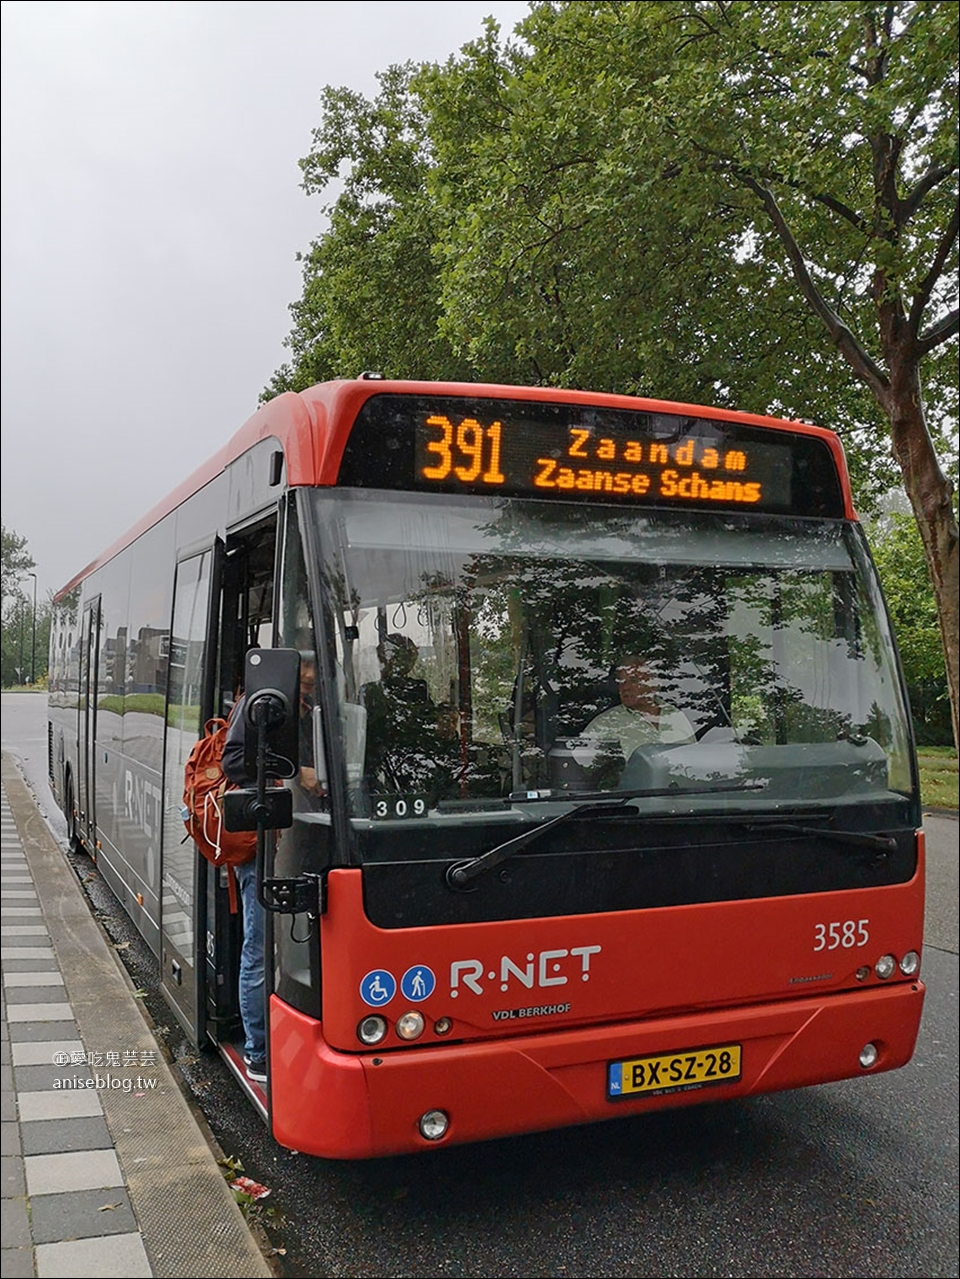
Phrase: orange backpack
{"type": "Point", "coordinates": [204, 783]}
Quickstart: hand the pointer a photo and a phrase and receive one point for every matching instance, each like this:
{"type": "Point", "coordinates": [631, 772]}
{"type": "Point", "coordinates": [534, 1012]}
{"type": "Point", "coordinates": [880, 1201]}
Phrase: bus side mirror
{"type": "Point", "coordinates": [272, 701]}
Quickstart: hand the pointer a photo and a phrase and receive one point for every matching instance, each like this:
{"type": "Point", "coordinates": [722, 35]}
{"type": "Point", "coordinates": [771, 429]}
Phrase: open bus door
{"type": "Point", "coordinates": [240, 617]}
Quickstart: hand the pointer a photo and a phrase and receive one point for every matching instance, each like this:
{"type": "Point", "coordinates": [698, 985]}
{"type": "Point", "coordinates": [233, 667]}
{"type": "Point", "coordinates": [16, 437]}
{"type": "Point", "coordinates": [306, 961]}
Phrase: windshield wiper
{"type": "Point", "coordinates": [640, 792]}
{"type": "Point", "coordinates": [882, 843]}
{"type": "Point", "coordinates": [461, 874]}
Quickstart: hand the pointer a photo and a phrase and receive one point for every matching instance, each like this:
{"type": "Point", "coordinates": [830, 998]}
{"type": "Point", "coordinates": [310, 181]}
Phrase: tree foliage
{"type": "Point", "coordinates": [898, 554]}
{"type": "Point", "coordinates": [371, 288]}
{"type": "Point", "coordinates": [719, 201]}
{"type": "Point", "coordinates": [15, 561]}
{"type": "Point", "coordinates": [604, 225]}
{"type": "Point", "coordinates": [25, 636]}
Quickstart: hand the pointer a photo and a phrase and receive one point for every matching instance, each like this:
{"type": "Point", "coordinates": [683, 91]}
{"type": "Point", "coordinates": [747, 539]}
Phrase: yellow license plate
{"type": "Point", "coordinates": [673, 1072]}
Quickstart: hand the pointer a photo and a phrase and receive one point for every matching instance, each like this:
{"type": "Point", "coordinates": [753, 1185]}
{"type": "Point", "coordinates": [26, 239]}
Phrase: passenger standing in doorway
{"type": "Point", "coordinates": [251, 983]}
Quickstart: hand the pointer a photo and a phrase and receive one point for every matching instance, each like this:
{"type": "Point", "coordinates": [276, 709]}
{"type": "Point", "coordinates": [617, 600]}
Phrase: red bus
{"type": "Point", "coordinates": [532, 894]}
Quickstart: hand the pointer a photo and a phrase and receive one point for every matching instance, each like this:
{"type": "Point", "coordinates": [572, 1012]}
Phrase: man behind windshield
{"type": "Point", "coordinates": [642, 718]}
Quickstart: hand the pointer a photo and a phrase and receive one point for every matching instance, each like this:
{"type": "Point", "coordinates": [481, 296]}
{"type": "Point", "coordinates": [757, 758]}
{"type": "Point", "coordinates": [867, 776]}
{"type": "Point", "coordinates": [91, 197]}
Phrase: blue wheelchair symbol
{"type": "Point", "coordinates": [378, 988]}
{"type": "Point", "coordinates": [418, 983]}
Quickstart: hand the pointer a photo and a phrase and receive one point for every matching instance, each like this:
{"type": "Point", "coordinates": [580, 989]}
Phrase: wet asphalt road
{"type": "Point", "coordinates": [850, 1179]}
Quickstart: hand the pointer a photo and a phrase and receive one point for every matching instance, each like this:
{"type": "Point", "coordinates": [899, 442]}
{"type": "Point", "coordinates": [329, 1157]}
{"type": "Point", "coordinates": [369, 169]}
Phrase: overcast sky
{"type": "Point", "coordinates": [152, 214]}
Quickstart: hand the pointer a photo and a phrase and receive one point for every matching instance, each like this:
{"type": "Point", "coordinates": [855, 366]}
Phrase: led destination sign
{"type": "Point", "coordinates": [576, 452]}
{"type": "Point", "coordinates": [533, 459]}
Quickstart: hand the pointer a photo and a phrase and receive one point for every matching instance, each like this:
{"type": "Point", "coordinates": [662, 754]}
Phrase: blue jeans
{"type": "Point", "coordinates": [252, 1007]}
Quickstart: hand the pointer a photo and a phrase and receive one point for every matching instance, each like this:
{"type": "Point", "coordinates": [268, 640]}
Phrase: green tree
{"type": "Point", "coordinates": [26, 631]}
{"type": "Point", "coordinates": [15, 561]}
{"type": "Point", "coordinates": [898, 554]}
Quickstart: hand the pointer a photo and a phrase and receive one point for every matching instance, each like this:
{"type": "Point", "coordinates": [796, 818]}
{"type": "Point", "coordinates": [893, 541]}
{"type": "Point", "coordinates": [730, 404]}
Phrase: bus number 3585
{"type": "Point", "coordinates": [847, 934]}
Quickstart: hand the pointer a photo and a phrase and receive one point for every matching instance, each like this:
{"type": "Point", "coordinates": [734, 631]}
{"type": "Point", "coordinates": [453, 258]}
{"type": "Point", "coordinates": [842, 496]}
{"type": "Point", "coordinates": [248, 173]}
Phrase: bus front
{"type": "Point", "coordinates": [621, 807]}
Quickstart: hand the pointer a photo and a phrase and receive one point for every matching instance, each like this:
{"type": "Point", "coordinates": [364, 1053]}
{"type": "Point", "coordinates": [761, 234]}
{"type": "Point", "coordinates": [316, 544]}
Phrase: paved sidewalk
{"type": "Point", "coordinates": [106, 1170]}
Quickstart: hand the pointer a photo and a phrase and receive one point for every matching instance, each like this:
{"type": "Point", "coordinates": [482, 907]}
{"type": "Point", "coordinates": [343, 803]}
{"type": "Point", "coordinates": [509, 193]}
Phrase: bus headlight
{"type": "Point", "coordinates": [885, 967]}
{"type": "Point", "coordinates": [910, 964]}
{"type": "Point", "coordinates": [371, 1030]}
{"type": "Point", "coordinates": [433, 1124]}
{"type": "Point", "coordinates": [410, 1025]}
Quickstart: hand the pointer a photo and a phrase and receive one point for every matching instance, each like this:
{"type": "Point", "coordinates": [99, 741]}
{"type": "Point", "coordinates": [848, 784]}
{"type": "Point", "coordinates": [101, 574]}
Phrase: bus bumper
{"type": "Point", "coordinates": [351, 1106]}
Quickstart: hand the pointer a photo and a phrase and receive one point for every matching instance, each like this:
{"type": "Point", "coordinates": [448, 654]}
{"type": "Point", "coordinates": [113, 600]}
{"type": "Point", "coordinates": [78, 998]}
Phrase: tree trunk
{"type": "Point", "coordinates": [931, 496]}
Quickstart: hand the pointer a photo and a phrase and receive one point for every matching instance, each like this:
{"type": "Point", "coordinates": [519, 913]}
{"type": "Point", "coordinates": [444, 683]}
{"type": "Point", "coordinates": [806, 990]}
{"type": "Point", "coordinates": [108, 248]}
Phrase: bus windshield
{"type": "Point", "coordinates": [497, 651]}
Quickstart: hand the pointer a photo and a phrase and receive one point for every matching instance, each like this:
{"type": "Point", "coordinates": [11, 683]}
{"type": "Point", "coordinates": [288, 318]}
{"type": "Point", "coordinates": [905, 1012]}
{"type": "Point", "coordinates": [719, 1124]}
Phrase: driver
{"type": "Point", "coordinates": [642, 718]}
